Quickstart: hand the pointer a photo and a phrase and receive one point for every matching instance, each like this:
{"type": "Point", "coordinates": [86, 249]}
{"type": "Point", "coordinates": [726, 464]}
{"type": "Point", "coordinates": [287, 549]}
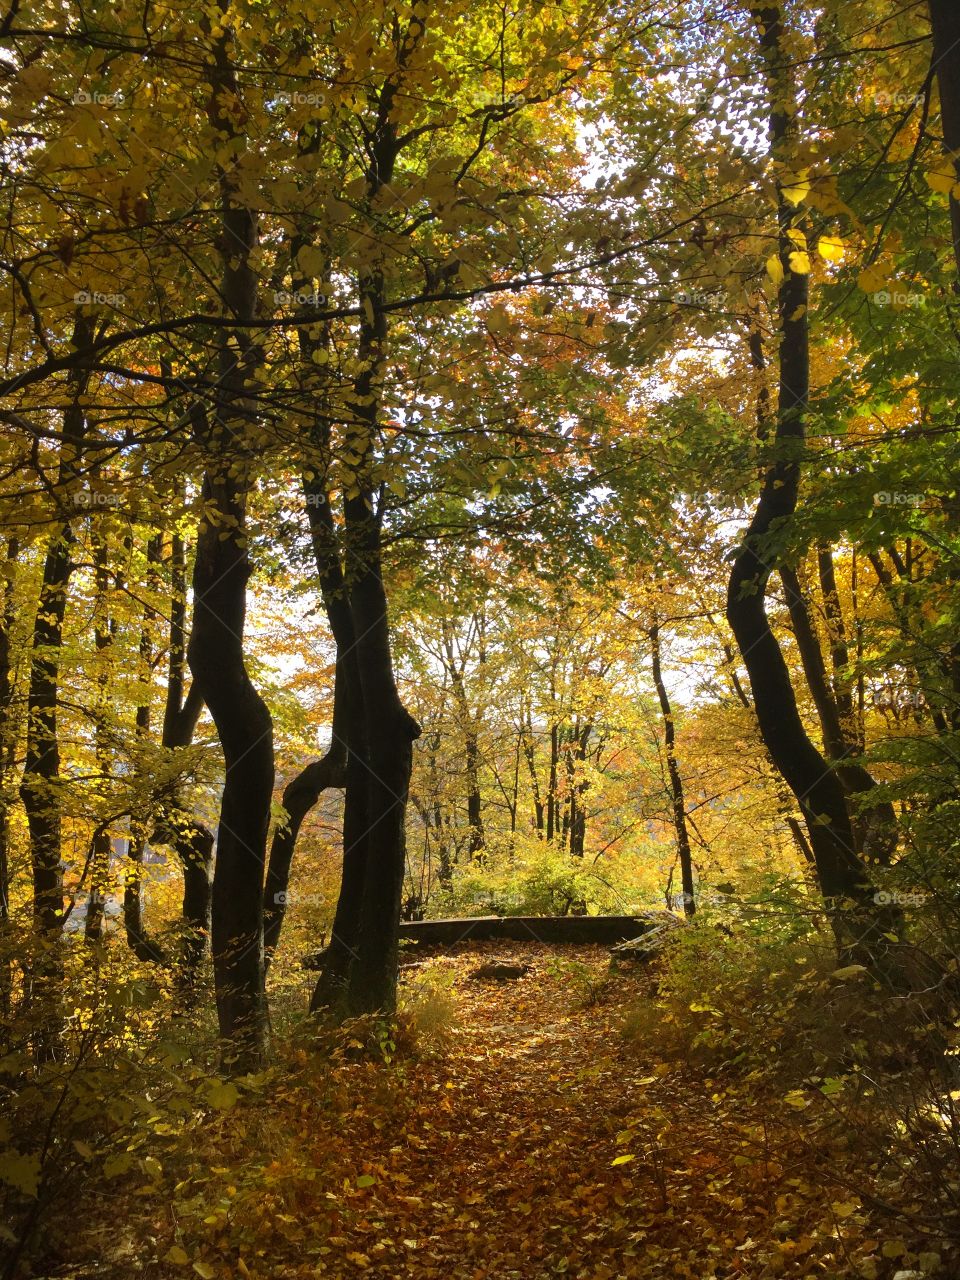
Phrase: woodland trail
{"type": "Point", "coordinates": [497, 1161]}
{"type": "Point", "coordinates": [520, 1136]}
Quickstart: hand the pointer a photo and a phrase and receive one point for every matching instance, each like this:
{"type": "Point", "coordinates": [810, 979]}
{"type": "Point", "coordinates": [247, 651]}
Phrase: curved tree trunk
{"type": "Point", "coordinates": [818, 789]}
{"type": "Point", "coordinates": [216, 649]}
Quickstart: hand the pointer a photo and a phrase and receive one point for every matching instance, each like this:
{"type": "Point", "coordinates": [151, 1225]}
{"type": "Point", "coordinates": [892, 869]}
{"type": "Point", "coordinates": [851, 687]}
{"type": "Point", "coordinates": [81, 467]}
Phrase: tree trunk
{"type": "Point", "coordinates": [40, 784]}
{"type": "Point", "coordinates": [8, 747]}
{"type": "Point", "coordinates": [138, 940]}
{"type": "Point", "coordinates": [945, 22]}
{"type": "Point", "coordinates": [819, 792]}
{"type": "Point", "coordinates": [216, 648]}
{"type": "Point", "coordinates": [102, 846]}
{"type": "Point", "coordinates": [873, 823]}
{"type": "Point", "coordinates": [676, 781]}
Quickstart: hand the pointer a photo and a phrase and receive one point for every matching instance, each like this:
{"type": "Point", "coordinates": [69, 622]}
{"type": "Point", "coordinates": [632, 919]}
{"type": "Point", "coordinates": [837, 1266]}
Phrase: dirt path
{"type": "Point", "coordinates": [513, 1159]}
{"type": "Point", "coordinates": [501, 1163]}
{"type": "Point", "coordinates": [533, 1141]}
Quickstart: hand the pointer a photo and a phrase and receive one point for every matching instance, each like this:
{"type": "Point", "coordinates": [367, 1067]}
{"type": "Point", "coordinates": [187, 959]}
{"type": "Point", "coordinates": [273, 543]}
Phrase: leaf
{"type": "Point", "coordinates": [204, 1269]}
{"type": "Point", "coordinates": [21, 1172]}
{"type": "Point", "coordinates": [366, 1180]}
{"type": "Point", "coordinates": [831, 248]}
{"type": "Point", "coordinates": [179, 1257]}
{"type": "Point", "coordinates": [775, 269]}
{"type": "Point", "coordinates": [800, 262]}
{"type": "Point", "coordinates": [872, 279]}
{"type": "Point", "coordinates": [223, 1095]}
{"type": "Point", "coordinates": [848, 971]}
{"type": "Point", "coordinates": [795, 187]}
{"type": "Point", "coordinates": [942, 178]}
{"type": "Point", "coordinates": [621, 1160]}
{"type": "Point", "coordinates": [844, 1208]}
{"type": "Point", "coordinates": [117, 1164]}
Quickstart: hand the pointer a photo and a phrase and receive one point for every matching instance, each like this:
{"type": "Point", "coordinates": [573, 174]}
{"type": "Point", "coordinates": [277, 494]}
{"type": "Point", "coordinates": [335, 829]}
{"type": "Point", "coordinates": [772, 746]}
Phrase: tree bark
{"type": "Point", "coordinates": [40, 784]}
{"type": "Point", "coordinates": [819, 792]}
{"type": "Point", "coordinates": [873, 822]}
{"type": "Point", "coordinates": [678, 802]}
{"type": "Point", "coordinates": [945, 24]}
{"type": "Point", "coordinates": [216, 649]}
{"type": "Point", "coordinates": [8, 746]}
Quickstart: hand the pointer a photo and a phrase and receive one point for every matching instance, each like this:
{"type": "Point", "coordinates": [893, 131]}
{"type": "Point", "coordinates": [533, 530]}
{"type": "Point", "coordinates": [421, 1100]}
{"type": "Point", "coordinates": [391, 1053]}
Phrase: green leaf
{"type": "Point", "coordinates": [223, 1095]}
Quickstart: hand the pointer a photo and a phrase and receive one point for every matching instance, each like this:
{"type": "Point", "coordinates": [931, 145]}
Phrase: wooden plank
{"type": "Point", "coordinates": [602, 930]}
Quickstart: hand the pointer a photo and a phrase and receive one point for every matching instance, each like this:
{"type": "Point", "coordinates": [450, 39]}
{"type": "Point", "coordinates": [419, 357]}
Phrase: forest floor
{"type": "Point", "coordinates": [532, 1140]}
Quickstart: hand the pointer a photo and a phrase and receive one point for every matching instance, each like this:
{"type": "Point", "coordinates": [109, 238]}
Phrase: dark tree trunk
{"type": "Point", "coordinates": [819, 791]}
{"type": "Point", "coordinates": [945, 22]}
{"type": "Point", "coordinates": [216, 649]}
{"type": "Point", "coordinates": [102, 845]}
{"type": "Point", "coordinates": [190, 840]}
{"type": "Point", "coordinates": [350, 761]}
{"type": "Point", "coordinates": [468, 727]}
{"type": "Point", "coordinates": [299, 797]}
{"type": "Point", "coordinates": [676, 780]}
{"type": "Point", "coordinates": [39, 787]}
{"type": "Point", "coordinates": [8, 746]}
{"type": "Point", "coordinates": [529, 754]}
{"type": "Point", "coordinates": [839, 654]}
{"type": "Point", "coordinates": [138, 940]}
{"type": "Point", "coordinates": [390, 732]}
{"type": "Point", "coordinates": [873, 823]}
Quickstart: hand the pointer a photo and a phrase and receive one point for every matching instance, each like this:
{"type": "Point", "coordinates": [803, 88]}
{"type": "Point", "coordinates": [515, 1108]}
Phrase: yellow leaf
{"type": "Point", "coordinates": [848, 971]}
{"type": "Point", "coordinates": [800, 262]}
{"type": "Point", "coordinates": [621, 1160]}
{"type": "Point", "coordinates": [942, 178]}
{"type": "Point", "coordinates": [830, 248]}
{"type": "Point", "coordinates": [795, 187]}
{"type": "Point", "coordinates": [179, 1257]}
{"type": "Point", "coordinates": [312, 262]}
{"type": "Point", "coordinates": [844, 1208]}
{"type": "Point", "coordinates": [872, 279]}
{"type": "Point", "coordinates": [775, 269]}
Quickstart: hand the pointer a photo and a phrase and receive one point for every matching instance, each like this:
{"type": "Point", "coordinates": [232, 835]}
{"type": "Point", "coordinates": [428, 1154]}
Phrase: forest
{"type": "Point", "coordinates": [480, 639]}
